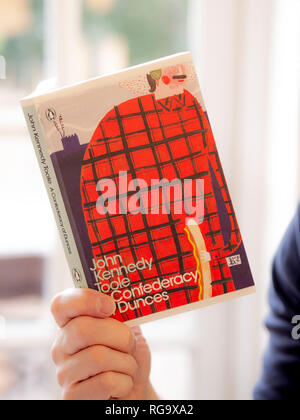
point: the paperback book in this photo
(138, 191)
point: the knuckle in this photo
(128, 338)
(132, 367)
(56, 305)
(99, 356)
(55, 353)
(61, 376)
(77, 329)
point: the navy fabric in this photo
(280, 379)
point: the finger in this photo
(84, 332)
(81, 302)
(101, 387)
(142, 357)
(93, 361)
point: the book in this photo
(138, 192)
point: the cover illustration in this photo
(143, 190)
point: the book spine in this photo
(55, 197)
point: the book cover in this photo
(138, 191)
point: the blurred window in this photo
(128, 32)
(21, 43)
(22, 48)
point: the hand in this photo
(205, 257)
(97, 357)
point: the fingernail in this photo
(107, 305)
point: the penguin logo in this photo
(51, 114)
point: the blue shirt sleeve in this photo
(280, 379)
